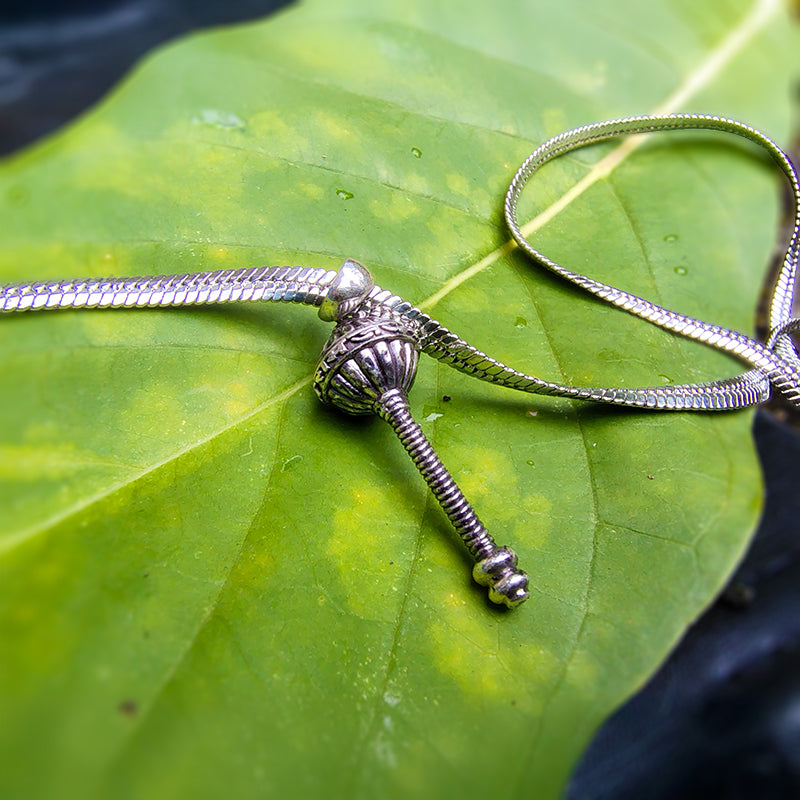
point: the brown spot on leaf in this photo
(128, 708)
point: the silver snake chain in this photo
(369, 362)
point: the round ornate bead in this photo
(363, 359)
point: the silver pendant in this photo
(367, 367)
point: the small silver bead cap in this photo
(350, 287)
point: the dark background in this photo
(721, 719)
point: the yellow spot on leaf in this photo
(467, 647)
(366, 552)
(487, 477)
(458, 184)
(397, 208)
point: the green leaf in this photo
(211, 585)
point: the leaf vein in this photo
(19, 538)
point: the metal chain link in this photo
(775, 362)
(293, 284)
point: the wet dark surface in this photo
(721, 719)
(58, 58)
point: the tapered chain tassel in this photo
(495, 567)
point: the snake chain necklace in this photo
(369, 362)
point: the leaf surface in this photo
(208, 583)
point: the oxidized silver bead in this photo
(363, 359)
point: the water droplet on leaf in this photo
(416, 152)
(344, 194)
(221, 119)
(681, 270)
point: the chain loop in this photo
(775, 363)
